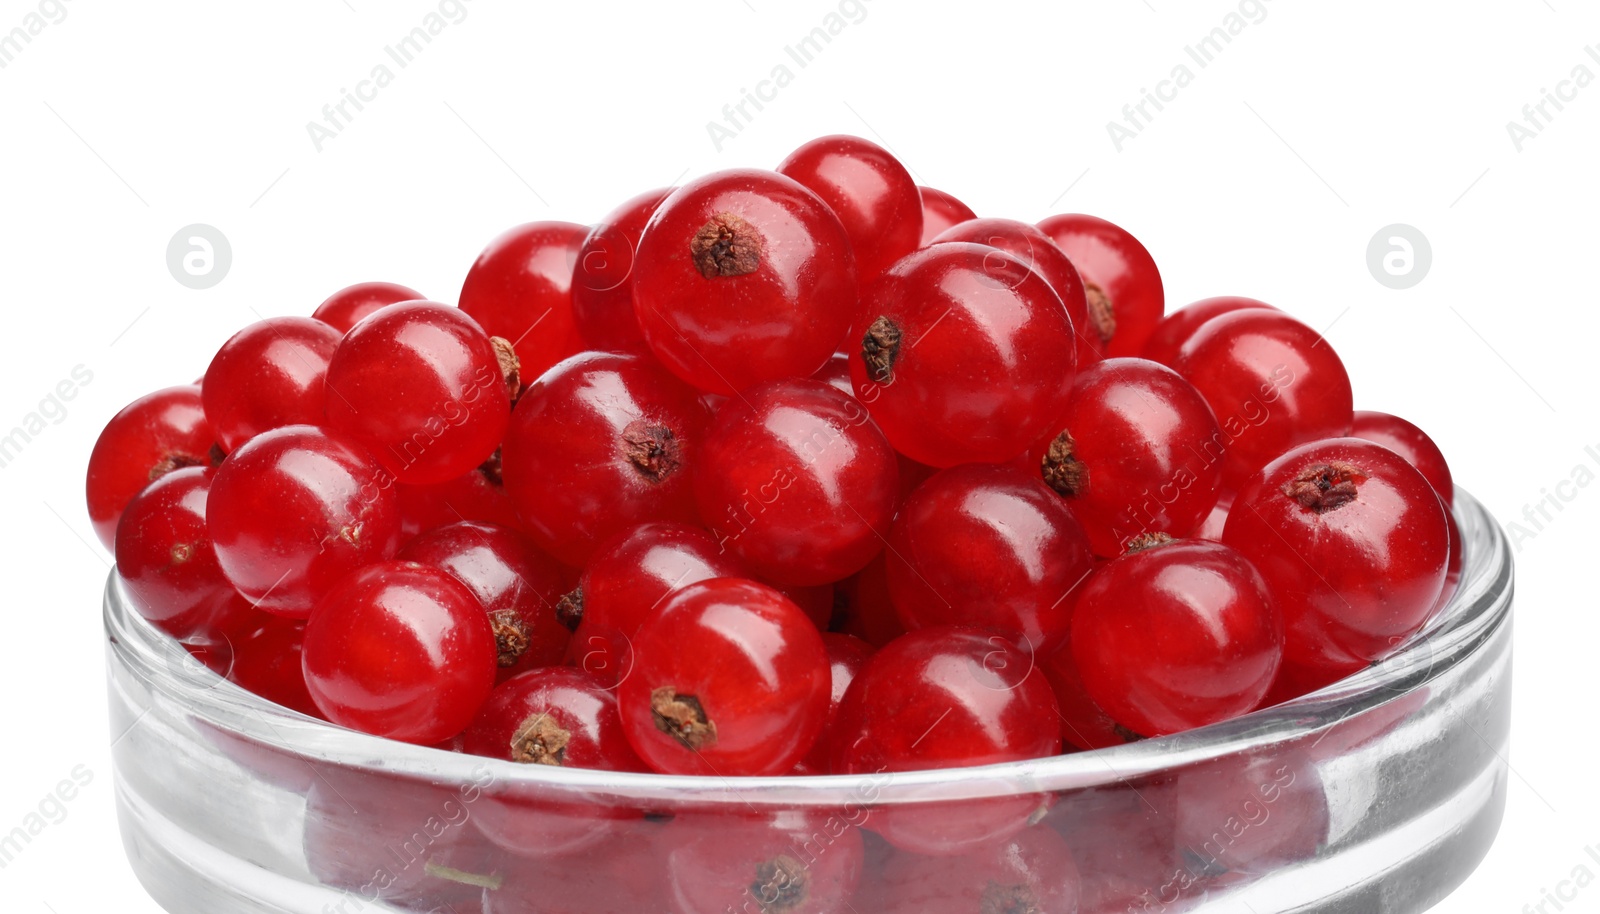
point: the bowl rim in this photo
(1476, 612)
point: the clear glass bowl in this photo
(1378, 794)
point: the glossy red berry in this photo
(628, 580)
(293, 511)
(165, 556)
(152, 436)
(1120, 274)
(517, 584)
(796, 480)
(602, 287)
(1138, 451)
(947, 697)
(1177, 635)
(267, 663)
(268, 375)
(794, 862)
(980, 690)
(729, 679)
(863, 607)
(1033, 870)
(475, 495)
(557, 716)
(742, 277)
(1409, 442)
(520, 289)
(421, 387)
(870, 191)
(1176, 328)
(964, 354)
(1353, 544)
(940, 211)
(346, 307)
(601, 443)
(988, 545)
(1035, 249)
(1272, 383)
(847, 655)
(1084, 724)
(400, 650)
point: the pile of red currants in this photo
(803, 471)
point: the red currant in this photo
(946, 697)
(1272, 382)
(1353, 544)
(405, 843)
(602, 651)
(863, 606)
(1137, 452)
(268, 375)
(165, 556)
(422, 388)
(293, 511)
(979, 689)
(1251, 815)
(870, 191)
(1031, 871)
(561, 717)
(630, 576)
(267, 662)
(601, 443)
(602, 290)
(518, 586)
(1121, 276)
(1084, 724)
(966, 355)
(742, 277)
(400, 650)
(1177, 635)
(847, 654)
(729, 679)
(788, 862)
(346, 307)
(1121, 839)
(1035, 249)
(151, 436)
(797, 481)
(1409, 442)
(476, 495)
(984, 544)
(940, 211)
(1175, 329)
(520, 289)
(555, 716)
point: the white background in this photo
(1266, 176)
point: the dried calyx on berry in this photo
(1063, 471)
(682, 718)
(1326, 487)
(879, 349)
(726, 246)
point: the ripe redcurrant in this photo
(797, 481)
(964, 354)
(729, 679)
(742, 277)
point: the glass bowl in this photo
(1378, 794)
